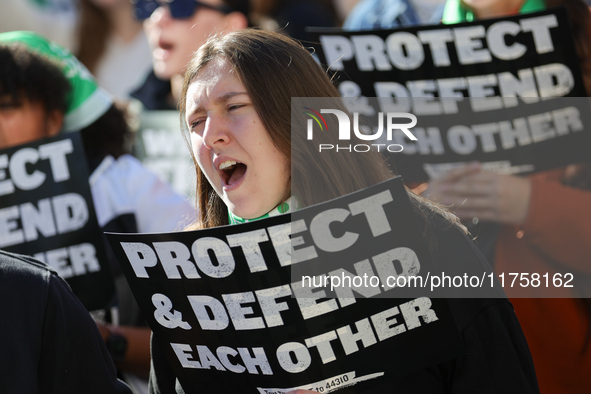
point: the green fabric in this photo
(41, 3)
(456, 12)
(289, 206)
(87, 101)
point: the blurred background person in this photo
(175, 29)
(543, 224)
(127, 197)
(54, 19)
(291, 17)
(388, 14)
(113, 46)
(344, 7)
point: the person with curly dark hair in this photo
(32, 97)
(49, 344)
(44, 90)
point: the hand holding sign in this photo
(474, 193)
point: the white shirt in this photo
(125, 186)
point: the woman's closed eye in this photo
(233, 107)
(194, 125)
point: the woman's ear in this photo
(236, 21)
(54, 123)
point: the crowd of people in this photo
(231, 67)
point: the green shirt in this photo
(456, 12)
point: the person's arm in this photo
(136, 355)
(559, 223)
(470, 193)
(73, 357)
(554, 218)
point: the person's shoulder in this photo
(442, 220)
(454, 254)
(131, 164)
(14, 265)
(32, 278)
(467, 311)
(125, 166)
(441, 227)
(26, 281)
(154, 93)
(445, 231)
(118, 173)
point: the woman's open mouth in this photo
(163, 50)
(232, 172)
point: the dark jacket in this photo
(48, 341)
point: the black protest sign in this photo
(160, 147)
(46, 211)
(510, 67)
(524, 55)
(235, 310)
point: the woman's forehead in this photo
(213, 69)
(215, 82)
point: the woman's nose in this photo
(215, 133)
(161, 15)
